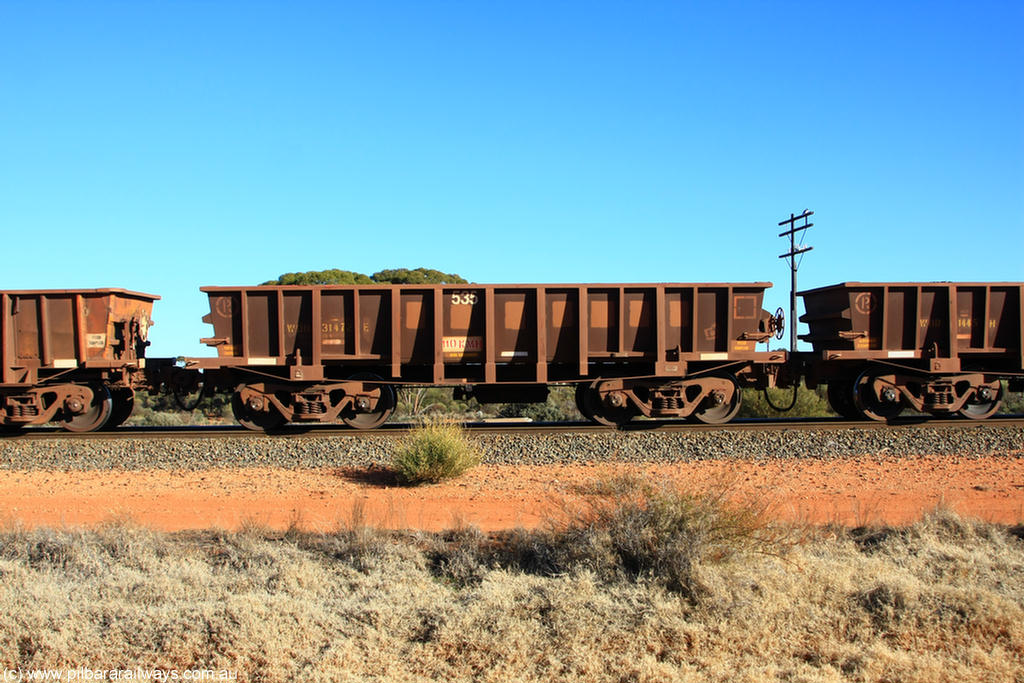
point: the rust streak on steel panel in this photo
(884, 312)
(583, 318)
(954, 321)
(918, 330)
(316, 329)
(396, 332)
(279, 299)
(987, 293)
(6, 335)
(730, 315)
(357, 328)
(660, 320)
(1020, 322)
(44, 332)
(438, 335)
(621, 321)
(79, 327)
(243, 302)
(540, 296)
(490, 372)
(695, 327)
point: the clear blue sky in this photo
(160, 146)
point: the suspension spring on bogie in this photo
(18, 406)
(937, 397)
(310, 407)
(667, 403)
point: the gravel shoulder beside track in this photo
(970, 440)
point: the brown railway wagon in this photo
(72, 355)
(320, 353)
(937, 347)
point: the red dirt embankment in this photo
(846, 491)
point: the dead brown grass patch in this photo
(644, 584)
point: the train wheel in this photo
(985, 402)
(581, 401)
(876, 397)
(600, 412)
(124, 402)
(715, 409)
(88, 414)
(256, 420)
(840, 397)
(386, 402)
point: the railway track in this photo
(509, 427)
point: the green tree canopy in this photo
(401, 276)
(419, 276)
(322, 277)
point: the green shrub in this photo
(809, 403)
(435, 451)
(162, 410)
(1013, 402)
(560, 407)
(417, 403)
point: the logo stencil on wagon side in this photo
(864, 302)
(224, 306)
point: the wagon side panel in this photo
(226, 318)
(49, 330)
(979, 322)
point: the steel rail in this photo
(395, 430)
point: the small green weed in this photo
(435, 451)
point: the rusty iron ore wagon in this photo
(330, 352)
(74, 356)
(340, 352)
(939, 347)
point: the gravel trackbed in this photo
(317, 482)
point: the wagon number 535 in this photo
(464, 298)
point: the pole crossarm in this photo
(796, 229)
(794, 253)
(792, 218)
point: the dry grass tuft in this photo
(435, 451)
(633, 529)
(602, 596)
